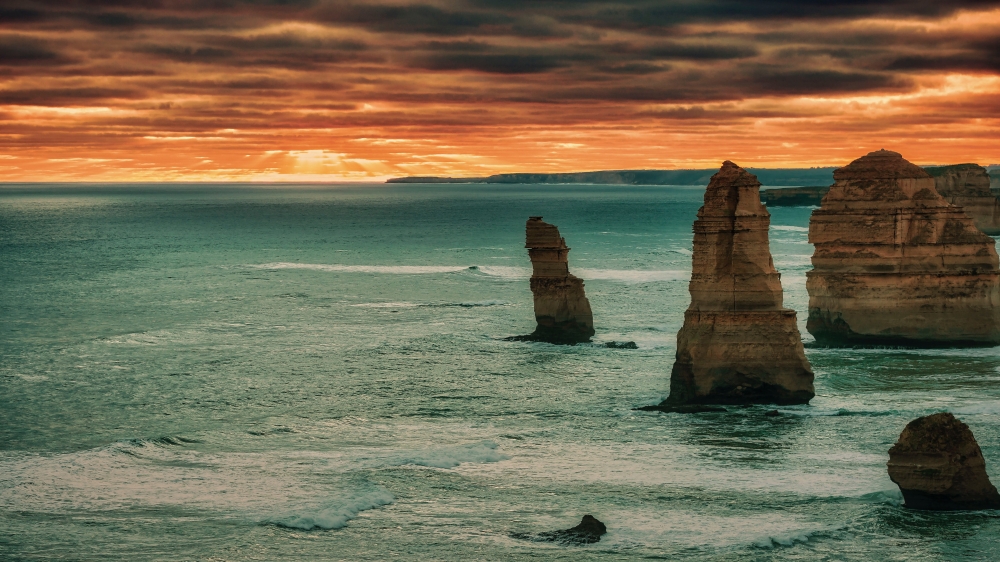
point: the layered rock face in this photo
(738, 344)
(561, 307)
(968, 185)
(937, 464)
(896, 264)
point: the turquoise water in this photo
(300, 372)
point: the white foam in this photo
(792, 537)
(384, 269)
(475, 304)
(334, 513)
(633, 275)
(450, 457)
(386, 305)
(789, 228)
(505, 271)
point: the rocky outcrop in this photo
(738, 345)
(937, 464)
(968, 185)
(896, 264)
(561, 307)
(793, 196)
(589, 531)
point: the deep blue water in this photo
(209, 372)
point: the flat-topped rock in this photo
(968, 186)
(562, 310)
(938, 465)
(738, 345)
(896, 264)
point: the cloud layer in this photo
(316, 89)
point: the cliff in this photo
(896, 264)
(773, 176)
(968, 185)
(434, 179)
(738, 344)
(937, 464)
(561, 307)
(794, 196)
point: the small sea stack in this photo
(938, 465)
(561, 306)
(896, 264)
(738, 345)
(968, 186)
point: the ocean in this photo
(319, 372)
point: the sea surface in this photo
(306, 372)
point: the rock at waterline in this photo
(621, 345)
(895, 263)
(589, 531)
(938, 465)
(739, 344)
(562, 310)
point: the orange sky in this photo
(320, 91)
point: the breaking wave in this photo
(450, 457)
(333, 514)
(387, 269)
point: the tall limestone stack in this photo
(561, 307)
(968, 185)
(738, 344)
(896, 264)
(937, 464)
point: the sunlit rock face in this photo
(968, 185)
(561, 307)
(937, 464)
(896, 264)
(738, 344)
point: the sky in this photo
(321, 90)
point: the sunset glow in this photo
(321, 91)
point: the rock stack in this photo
(896, 264)
(738, 344)
(968, 186)
(937, 464)
(561, 307)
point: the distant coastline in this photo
(767, 176)
(810, 178)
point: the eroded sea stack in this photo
(738, 344)
(896, 264)
(937, 464)
(561, 307)
(968, 185)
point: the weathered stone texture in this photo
(561, 307)
(937, 464)
(968, 186)
(738, 344)
(896, 264)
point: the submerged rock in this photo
(896, 264)
(589, 531)
(738, 345)
(968, 185)
(561, 307)
(938, 465)
(621, 345)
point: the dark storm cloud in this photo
(18, 50)
(65, 96)
(549, 52)
(499, 64)
(416, 18)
